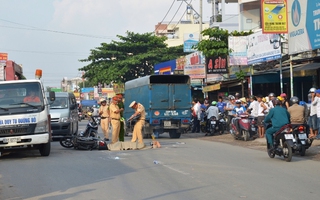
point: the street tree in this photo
(130, 57)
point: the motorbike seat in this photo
(282, 129)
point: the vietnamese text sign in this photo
(263, 47)
(195, 71)
(217, 65)
(238, 46)
(211, 88)
(274, 16)
(304, 25)
(3, 57)
(190, 40)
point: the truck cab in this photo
(24, 116)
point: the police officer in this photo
(105, 119)
(115, 119)
(139, 110)
(121, 106)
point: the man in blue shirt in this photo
(221, 104)
(279, 117)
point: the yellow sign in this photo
(211, 88)
(274, 16)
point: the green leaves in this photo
(132, 56)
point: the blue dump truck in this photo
(167, 101)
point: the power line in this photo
(165, 15)
(174, 15)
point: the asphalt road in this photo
(187, 168)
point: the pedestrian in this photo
(254, 107)
(221, 104)
(105, 118)
(230, 107)
(115, 119)
(285, 102)
(139, 110)
(121, 106)
(196, 115)
(316, 102)
(261, 115)
(312, 121)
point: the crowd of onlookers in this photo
(258, 106)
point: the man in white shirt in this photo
(316, 103)
(254, 106)
(196, 115)
(312, 121)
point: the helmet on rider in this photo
(237, 95)
(312, 90)
(213, 103)
(94, 106)
(238, 102)
(302, 103)
(276, 101)
(294, 100)
(231, 97)
(271, 95)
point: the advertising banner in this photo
(167, 67)
(195, 71)
(238, 46)
(304, 25)
(195, 58)
(274, 16)
(216, 77)
(181, 62)
(190, 40)
(217, 65)
(263, 47)
(3, 57)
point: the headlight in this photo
(65, 119)
(41, 127)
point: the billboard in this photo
(3, 57)
(217, 65)
(167, 67)
(304, 25)
(190, 40)
(274, 16)
(238, 46)
(195, 71)
(263, 47)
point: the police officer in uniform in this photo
(139, 109)
(115, 119)
(105, 120)
(121, 106)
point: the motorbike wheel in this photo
(287, 152)
(203, 128)
(66, 143)
(302, 151)
(93, 134)
(245, 135)
(271, 154)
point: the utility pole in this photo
(200, 21)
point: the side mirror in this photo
(52, 96)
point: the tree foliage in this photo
(133, 56)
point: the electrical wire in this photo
(165, 16)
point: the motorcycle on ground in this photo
(85, 138)
(301, 136)
(284, 143)
(247, 127)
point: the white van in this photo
(64, 115)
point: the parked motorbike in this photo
(300, 135)
(247, 129)
(214, 127)
(223, 121)
(91, 132)
(284, 143)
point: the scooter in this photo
(90, 133)
(215, 126)
(245, 131)
(223, 121)
(284, 143)
(301, 136)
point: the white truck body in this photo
(24, 124)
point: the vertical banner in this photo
(190, 40)
(238, 46)
(274, 16)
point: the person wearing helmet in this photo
(230, 109)
(278, 116)
(316, 102)
(270, 103)
(212, 111)
(313, 120)
(237, 95)
(237, 111)
(297, 112)
(105, 119)
(285, 101)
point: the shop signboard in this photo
(304, 25)
(263, 47)
(274, 16)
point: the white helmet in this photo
(312, 90)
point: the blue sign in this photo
(313, 23)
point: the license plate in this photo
(303, 136)
(12, 140)
(213, 122)
(245, 120)
(253, 129)
(288, 136)
(167, 123)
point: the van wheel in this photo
(44, 149)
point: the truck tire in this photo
(44, 149)
(174, 134)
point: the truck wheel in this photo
(44, 149)
(174, 134)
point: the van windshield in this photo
(21, 95)
(59, 103)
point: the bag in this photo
(85, 143)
